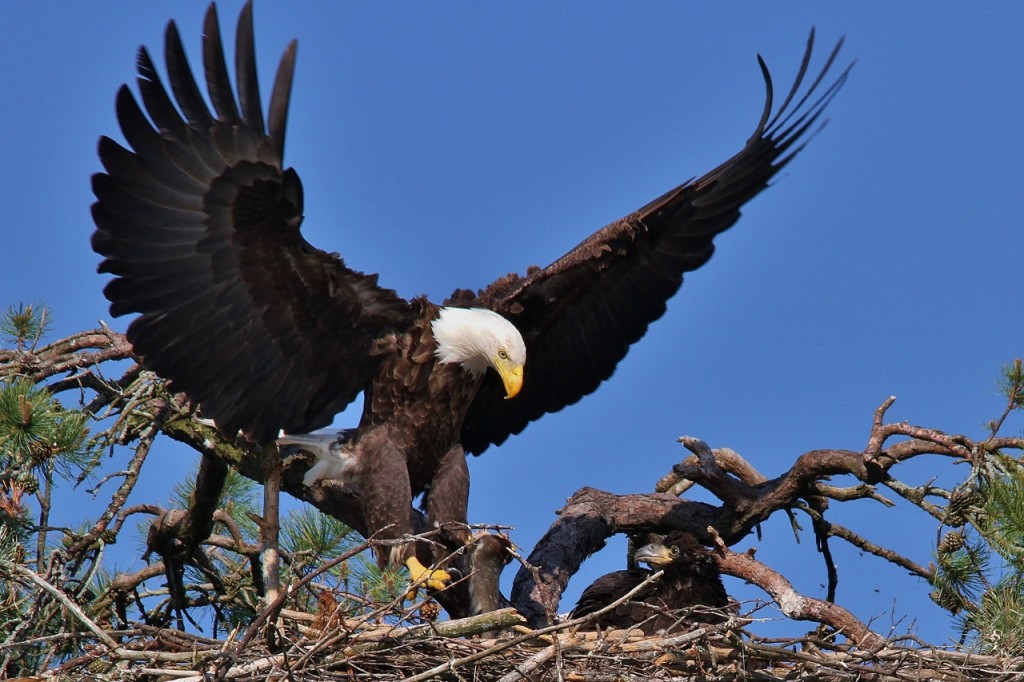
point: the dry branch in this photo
(139, 407)
(748, 498)
(793, 604)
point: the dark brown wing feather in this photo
(199, 223)
(609, 588)
(580, 314)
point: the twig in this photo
(526, 670)
(916, 496)
(71, 606)
(451, 665)
(119, 498)
(793, 604)
(271, 608)
(879, 551)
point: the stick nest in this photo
(324, 646)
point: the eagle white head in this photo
(477, 339)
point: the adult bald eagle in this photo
(690, 591)
(198, 220)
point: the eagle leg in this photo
(447, 498)
(445, 503)
(382, 479)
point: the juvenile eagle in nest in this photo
(690, 591)
(198, 219)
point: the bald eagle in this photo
(198, 219)
(690, 591)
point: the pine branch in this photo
(118, 499)
(748, 499)
(66, 602)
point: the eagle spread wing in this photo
(580, 314)
(199, 222)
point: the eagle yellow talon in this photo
(421, 575)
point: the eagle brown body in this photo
(689, 592)
(198, 219)
(411, 389)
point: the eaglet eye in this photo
(674, 551)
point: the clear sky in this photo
(446, 144)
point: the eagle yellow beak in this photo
(511, 377)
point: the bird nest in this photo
(392, 646)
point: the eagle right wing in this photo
(199, 224)
(580, 314)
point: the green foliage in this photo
(1002, 517)
(308, 538)
(999, 619)
(1012, 384)
(386, 585)
(979, 566)
(960, 578)
(40, 442)
(313, 539)
(46, 448)
(37, 432)
(11, 552)
(15, 600)
(239, 497)
(39, 438)
(24, 324)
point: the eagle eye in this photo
(502, 354)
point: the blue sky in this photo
(446, 144)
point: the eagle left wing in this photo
(580, 314)
(198, 220)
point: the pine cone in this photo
(951, 542)
(960, 502)
(430, 610)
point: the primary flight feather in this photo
(198, 219)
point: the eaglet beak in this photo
(654, 554)
(511, 377)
